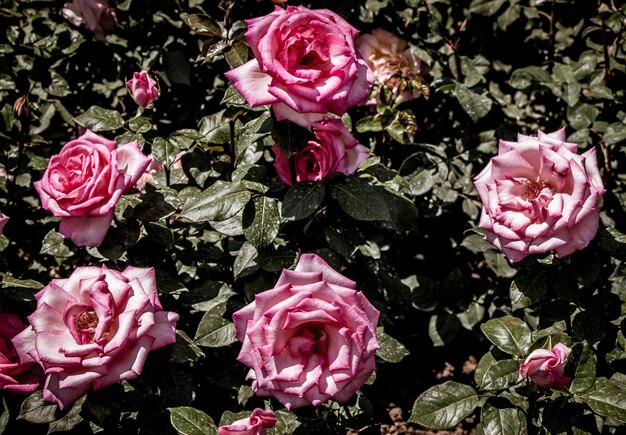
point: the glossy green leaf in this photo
(303, 199)
(500, 375)
(475, 105)
(219, 202)
(584, 362)
(35, 410)
(607, 398)
(360, 200)
(261, 221)
(99, 119)
(509, 334)
(191, 421)
(391, 350)
(444, 405)
(497, 418)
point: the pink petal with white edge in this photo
(147, 278)
(132, 162)
(314, 263)
(24, 345)
(354, 157)
(86, 231)
(164, 329)
(252, 83)
(282, 112)
(63, 397)
(127, 365)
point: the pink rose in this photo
(334, 151)
(545, 367)
(84, 182)
(253, 425)
(309, 339)
(15, 376)
(3, 221)
(539, 195)
(95, 328)
(305, 65)
(143, 89)
(96, 15)
(393, 64)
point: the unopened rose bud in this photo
(21, 110)
(143, 89)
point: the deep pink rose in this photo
(15, 376)
(253, 425)
(143, 89)
(545, 367)
(84, 182)
(393, 64)
(335, 150)
(95, 328)
(539, 195)
(96, 15)
(3, 221)
(305, 65)
(309, 339)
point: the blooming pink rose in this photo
(84, 182)
(393, 64)
(15, 376)
(96, 15)
(143, 89)
(95, 328)
(309, 339)
(3, 221)
(334, 151)
(305, 65)
(539, 195)
(253, 425)
(545, 367)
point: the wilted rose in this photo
(95, 328)
(143, 89)
(539, 195)
(394, 65)
(84, 182)
(309, 339)
(305, 65)
(15, 376)
(334, 150)
(545, 367)
(253, 425)
(96, 15)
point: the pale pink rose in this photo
(305, 65)
(539, 195)
(84, 182)
(3, 221)
(310, 339)
(143, 89)
(334, 150)
(15, 376)
(393, 64)
(95, 328)
(253, 425)
(545, 367)
(96, 15)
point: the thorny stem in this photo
(552, 35)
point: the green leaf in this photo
(237, 55)
(500, 375)
(613, 242)
(177, 67)
(54, 244)
(203, 25)
(286, 423)
(215, 331)
(69, 420)
(518, 300)
(508, 334)
(244, 261)
(99, 119)
(261, 221)
(140, 124)
(190, 421)
(232, 97)
(369, 123)
(4, 418)
(10, 282)
(390, 350)
(215, 128)
(422, 182)
(444, 405)
(607, 398)
(302, 199)
(164, 151)
(498, 263)
(615, 133)
(534, 284)
(475, 105)
(220, 201)
(524, 77)
(584, 361)
(485, 362)
(35, 410)
(560, 414)
(587, 325)
(486, 7)
(497, 418)
(290, 137)
(442, 328)
(360, 200)
(581, 115)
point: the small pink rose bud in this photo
(143, 89)
(21, 110)
(545, 367)
(3, 220)
(253, 425)
(96, 15)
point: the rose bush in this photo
(538, 195)
(393, 63)
(305, 65)
(335, 150)
(253, 425)
(96, 15)
(94, 328)
(311, 338)
(143, 89)
(15, 376)
(84, 182)
(545, 367)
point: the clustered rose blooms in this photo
(253, 425)
(3, 221)
(309, 339)
(84, 182)
(95, 328)
(96, 15)
(143, 89)
(545, 367)
(305, 65)
(393, 63)
(335, 150)
(15, 376)
(539, 195)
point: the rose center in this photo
(309, 340)
(86, 324)
(532, 189)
